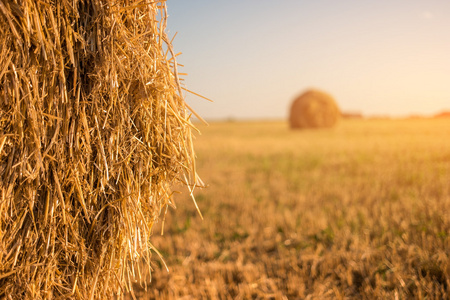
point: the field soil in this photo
(360, 211)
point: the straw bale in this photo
(351, 115)
(314, 109)
(94, 132)
(443, 114)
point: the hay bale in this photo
(443, 114)
(314, 109)
(351, 115)
(93, 133)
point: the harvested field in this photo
(355, 212)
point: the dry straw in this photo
(314, 109)
(93, 133)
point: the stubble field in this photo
(361, 211)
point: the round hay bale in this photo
(314, 109)
(94, 132)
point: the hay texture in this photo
(314, 109)
(93, 133)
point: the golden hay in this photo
(93, 133)
(314, 109)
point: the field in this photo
(356, 212)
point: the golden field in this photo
(361, 211)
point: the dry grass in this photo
(356, 212)
(93, 132)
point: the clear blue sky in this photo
(252, 57)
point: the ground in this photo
(359, 211)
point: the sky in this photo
(253, 57)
